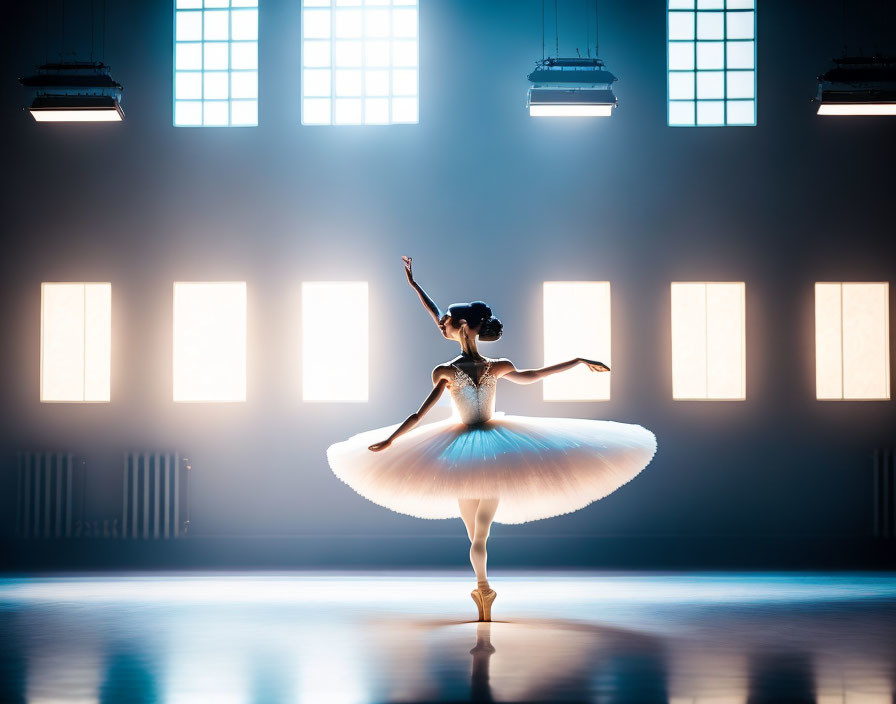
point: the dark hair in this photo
(478, 315)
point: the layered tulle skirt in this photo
(536, 467)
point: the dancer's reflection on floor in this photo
(480, 689)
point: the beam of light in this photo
(334, 341)
(209, 341)
(708, 340)
(857, 109)
(76, 342)
(577, 324)
(570, 110)
(96, 115)
(852, 351)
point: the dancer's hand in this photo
(407, 269)
(594, 366)
(378, 446)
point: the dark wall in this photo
(490, 203)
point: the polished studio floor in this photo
(409, 637)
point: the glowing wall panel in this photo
(708, 340)
(334, 341)
(359, 62)
(75, 342)
(852, 341)
(210, 341)
(577, 324)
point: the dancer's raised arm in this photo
(427, 302)
(439, 383)
(530, 376)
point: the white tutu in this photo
(536, 467)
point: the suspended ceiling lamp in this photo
(74, 92)
(571, 88)
(858, 86)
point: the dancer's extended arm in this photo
(530, 376)
(427, 302)
(439, 383)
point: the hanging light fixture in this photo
(858, 86)
(74, 92)
(570, 87)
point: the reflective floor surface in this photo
(390, 637)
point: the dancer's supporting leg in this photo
(478, 556)
(468, 514)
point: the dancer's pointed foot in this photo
(484, 599)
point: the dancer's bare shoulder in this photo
(501, 366)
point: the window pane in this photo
(710, 84)
(187, 113)
(740, 25)
(681, 25)
(188, 57)
(210, 340)
(710, 112)
(577, 324)
(741, 112)
(681, 56)
(216, 25)
(740, 84)
(217, 56)
(244, 55)
(334, 357)
(710, 25)
(76, 342)
(244, 24)
(741, 54)
(681, 85)
(710, 55)
(681, 112)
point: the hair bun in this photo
(491, 329)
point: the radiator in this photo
(45, 494)
(884, 494)
(152, 503)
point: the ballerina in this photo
(485, 466)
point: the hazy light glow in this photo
(570, 110)
(76, 342)
(209, 341)
(577, 324)
(95, 115)
(857, 109)
(334, 341)
(852, 333)
(360, 62)
(708, 340)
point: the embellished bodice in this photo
(475, 403)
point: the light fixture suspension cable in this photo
(588, 37)
(92, 27)
(596, 32)
(556, 32)
(542, 30)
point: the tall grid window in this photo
(712, 62)
(359, 62)
(215, 63)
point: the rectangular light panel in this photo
(334, 341)
(577, 324)
(75, 342)
(711, 55)
(570, 110)
(209, 341)
(708, 340)
(359, 62)
(852, 341)
(215, 63)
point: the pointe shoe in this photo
(484, 602)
